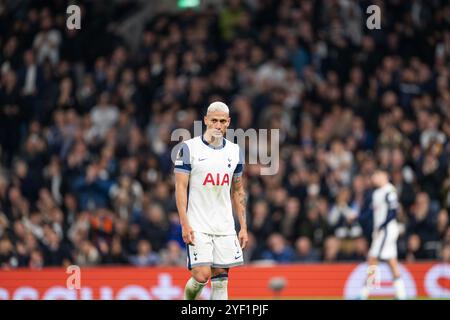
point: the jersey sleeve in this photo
(240, 166)
(392, 200)
(392, 205)
(183, 160)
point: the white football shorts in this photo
(217, 251)
(384, 245)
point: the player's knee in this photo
(201, 277)
(202, 274)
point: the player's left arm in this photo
(239, 199)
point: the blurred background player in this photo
(384, 205)
(210, 165)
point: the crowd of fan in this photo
(86, 175)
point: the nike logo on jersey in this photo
(202, 159)
(236, 257)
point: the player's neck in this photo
(214, 141)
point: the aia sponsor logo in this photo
(217, 179)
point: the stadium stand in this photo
(86, 175)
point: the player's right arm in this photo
(182, 173)
(181, 185)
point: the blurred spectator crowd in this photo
(86, 175)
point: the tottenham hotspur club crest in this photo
(229, 164)
(195, 255)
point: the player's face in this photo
(378, 178)
(374, 179)
(217, 123)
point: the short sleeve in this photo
(183, 160)
(240, 166)
(392, 200)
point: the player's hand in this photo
(243, 238)
(188, 235)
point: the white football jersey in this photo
(383, 200)
(211, 171)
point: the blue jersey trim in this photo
(211, 146)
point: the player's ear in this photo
(205, 120)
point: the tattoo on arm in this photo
(244, 216)
(240, 196)
(237, 182)
(243, 203)
(243, 199)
